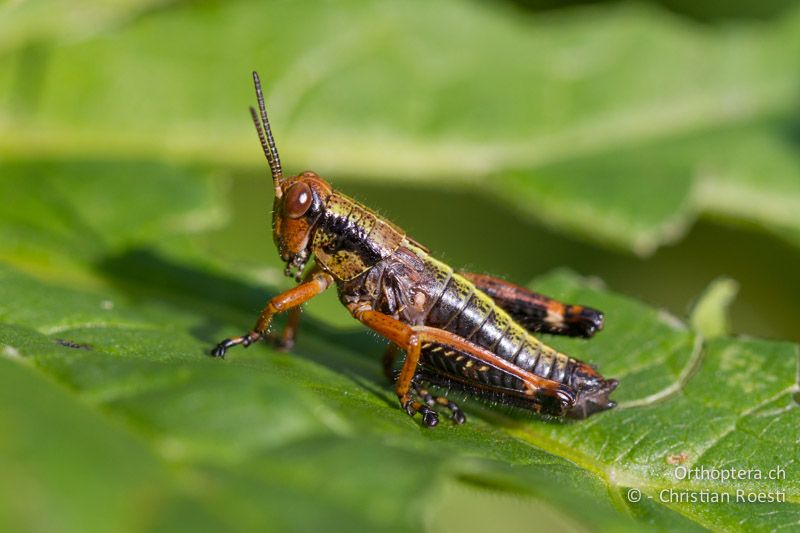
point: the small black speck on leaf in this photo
(71, 344)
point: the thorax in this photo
(350, 239)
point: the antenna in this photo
(265, 133)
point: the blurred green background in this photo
(654, 146)
(649, 147)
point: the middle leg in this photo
(431, 400)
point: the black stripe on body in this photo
(350, 232)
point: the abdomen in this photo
(462, 309)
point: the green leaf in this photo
(117, 418)
(621, 124)
(710, 314)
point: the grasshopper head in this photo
(299, 201)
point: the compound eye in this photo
(298, 200)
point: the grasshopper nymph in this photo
(467, 331)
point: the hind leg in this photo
(556, 397)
